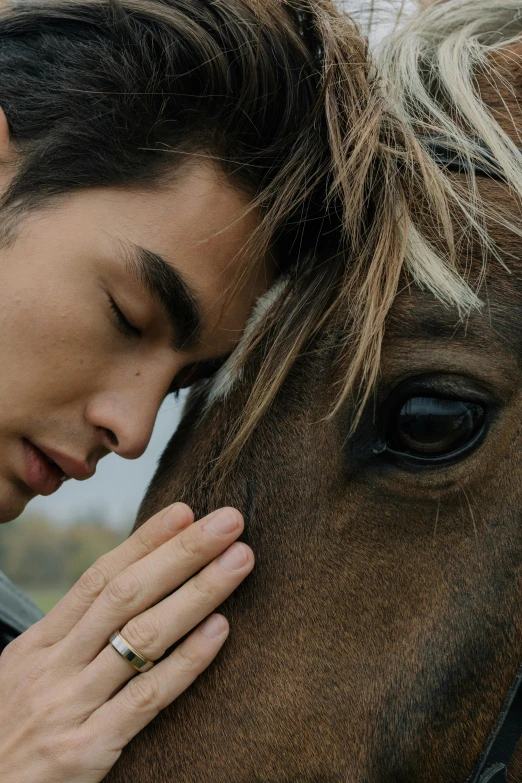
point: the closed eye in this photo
(122, 323)
(196, 372)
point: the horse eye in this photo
(434, 427)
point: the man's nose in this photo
(126, 424)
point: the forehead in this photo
(196, 220)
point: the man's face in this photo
(76, 381)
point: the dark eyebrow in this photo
(170, 290)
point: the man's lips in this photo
(47, 469)
(39, 474)
(73, 468)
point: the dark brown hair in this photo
(283, 96)
(122, 92)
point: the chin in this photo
(13, 500)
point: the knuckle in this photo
(33, 639)
(203, 590)
(188, 659)
(123, 591)
(143, 541)
(142, 634)
(14, 650)
(188, 546)
(30, 641)
(144, 692)
(94, 580)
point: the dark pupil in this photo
(431, 426)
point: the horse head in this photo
(380, 631)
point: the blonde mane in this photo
(380, 112)
(428, 72)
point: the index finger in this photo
(156, 531)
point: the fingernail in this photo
(175, 518)
(213, 626)
(234, 558)
(225, 521)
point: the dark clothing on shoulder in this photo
(17, 611)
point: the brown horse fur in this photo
(380, 631)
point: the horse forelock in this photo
(428, 75)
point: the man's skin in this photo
(72, 381)
(96, 329)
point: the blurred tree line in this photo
(35, 553)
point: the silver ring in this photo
(132, 656)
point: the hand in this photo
(70, 702)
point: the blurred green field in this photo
(46, 560)
(45, 597)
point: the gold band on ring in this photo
(132, 656)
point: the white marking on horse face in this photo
(232, 372)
